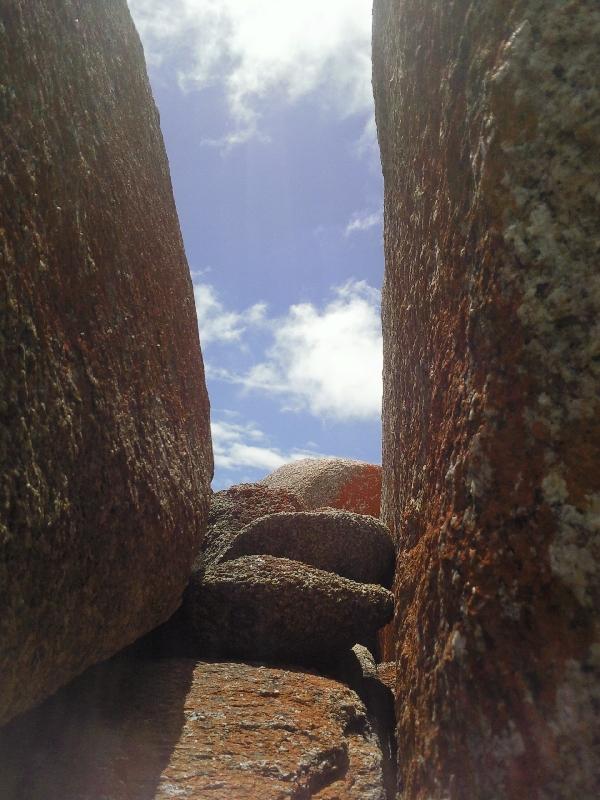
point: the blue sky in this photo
(267, 115)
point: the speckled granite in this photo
(234, 508)
(488, 117)
(331, 482)
(105, 456)
(272, 609)
(178, 728)
(355, 546)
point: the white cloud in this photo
(325, 361)
(363, 222)
(216, 324)
(239, 446)
(254, 48)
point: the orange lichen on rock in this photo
(488, 117)
(331, 483)
(105, 451)
(132, 730)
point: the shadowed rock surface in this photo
(234, 508)
(273, 609)
(143, 730)
(105, 449)
(358, 670)
(488, 116)
(331, 482)
(355, 546)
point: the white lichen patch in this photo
(551, 69)
(575, 551)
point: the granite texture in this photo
(105, 455)
(178, 728)
(272, 609)
(355, 546)
(332, 483)
(234, 508)
(488, 117)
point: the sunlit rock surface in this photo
(234, 508)
(331, 482)
(180, 728)
(105, 452)
(488, 117)
(356, 546)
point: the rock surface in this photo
(331, 482)
(355, 546)
(105, 450)
(181, 728)
(273, 609)
(358, 670)
(234, 508)
(488, 117)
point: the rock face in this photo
(234, 508)
(265, 608)
(488, 118)
(105, 452)
(331, 482)
(180, 728)
(355, 546)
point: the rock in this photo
(181, 728)
(105, 448)
(332, 483)
(233, 508)
(488, 116)
(352, 545)
(358, 670)
(272, 609)
(386, 673)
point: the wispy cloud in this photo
(363, 221)
(243, 446)
(216, 323)
(326, 361)
(256, 49)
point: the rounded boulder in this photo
(331, 483)
(355, 546)
(264, 608)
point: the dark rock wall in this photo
(105, 455)
(488, 117)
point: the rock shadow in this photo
(106, 736)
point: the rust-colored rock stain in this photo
(105, 454)
(491, 392)
(135, 730)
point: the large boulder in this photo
(181, 728)
(105, 448)
(332, 483)
(355, 546)
(265, 608)
(488, 116)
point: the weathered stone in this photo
(386, 673)
(488, 118)
(272, 609)
(355, 546)
(104, 434)
(234, 508)
(180, 728)
(358, 670)
(331, 483)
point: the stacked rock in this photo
(292, 586)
